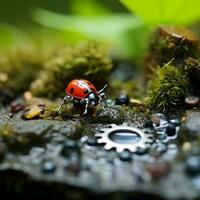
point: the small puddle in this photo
(125, 137)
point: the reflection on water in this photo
(125, 137)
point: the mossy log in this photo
(171, 43)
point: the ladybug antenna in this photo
(100, 91)
(63, 101)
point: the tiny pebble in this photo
(92, 141)
(192, 101)
(159, 170)
(148, 124)
(141, 151)
(122, 100)
(157, 118)
(125, 156)
(48, 167)
(192, 166)
(176, 122)
(171, 129)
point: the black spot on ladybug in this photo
(86, 92)
(71, 90)
(93, 89)
(88, 83)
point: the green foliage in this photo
(168, 88)
(126, 34)
(158, 12)
(10, 36)
(88, 8)
(19, 67)
(87, 60)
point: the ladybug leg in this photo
(101, 102)
(86, 105)
(101, 91)
(63, 101)
(102, 99)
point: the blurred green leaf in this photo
(106, 26)
(88, 8)
(10, 36)
(122, 31)
(165, 11)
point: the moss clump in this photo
(168, 88)
(68, 111)
(19, 67)
(50, 112)
(86, 60)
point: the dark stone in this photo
(141, 151)
(148, 124)
(125, 156)
(92, 141)
(192, 166)
(171, 129)
(122, 100)
(175, 121)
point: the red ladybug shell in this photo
(80, 88)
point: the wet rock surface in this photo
(54, 158)
(191, 127)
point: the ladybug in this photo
(82, 91)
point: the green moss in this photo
(13, 140)
(86, 60)
(19, 67)
(168, 88)
(68, 111)
(20, 142)
(50, 112)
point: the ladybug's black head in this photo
(93, 99)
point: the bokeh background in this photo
(123, 25)
(26, 21)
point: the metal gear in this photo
(105, 137)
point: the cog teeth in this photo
(103, 130)
(113, 125)
(119, 149)
(142, 145)
(103, 137)
(101, 140)
(107, 147)
(98, 134)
